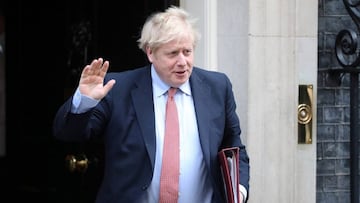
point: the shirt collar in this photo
(160, 87)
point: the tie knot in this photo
(172, 91)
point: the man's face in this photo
(173, 61)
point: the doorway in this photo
(47, 45)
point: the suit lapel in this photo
(201, 94)
(142, 98)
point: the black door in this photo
(47, 45)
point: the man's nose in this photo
(181, 59)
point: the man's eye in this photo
(174, 53)
(187, 52)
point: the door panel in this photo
(47, 44)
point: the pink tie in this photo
(169, 180)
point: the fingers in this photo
(97, 67)
(104, 68)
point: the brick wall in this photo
(333, 130)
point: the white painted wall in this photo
(267, 48)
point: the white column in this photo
(283, 47)
(306, 66)
(272, 100)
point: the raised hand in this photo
(92, 79)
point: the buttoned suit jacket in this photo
(125, 119)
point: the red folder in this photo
(229, 166)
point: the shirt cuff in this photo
(82, 103)
(243, 191)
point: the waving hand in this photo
(92, 80)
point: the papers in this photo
(229, 166)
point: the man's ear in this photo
(149, 54)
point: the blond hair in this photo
(162, 27)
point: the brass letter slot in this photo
(305, 114)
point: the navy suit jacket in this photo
(125, 118)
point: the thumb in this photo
(109, 85)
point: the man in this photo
(129, 110)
